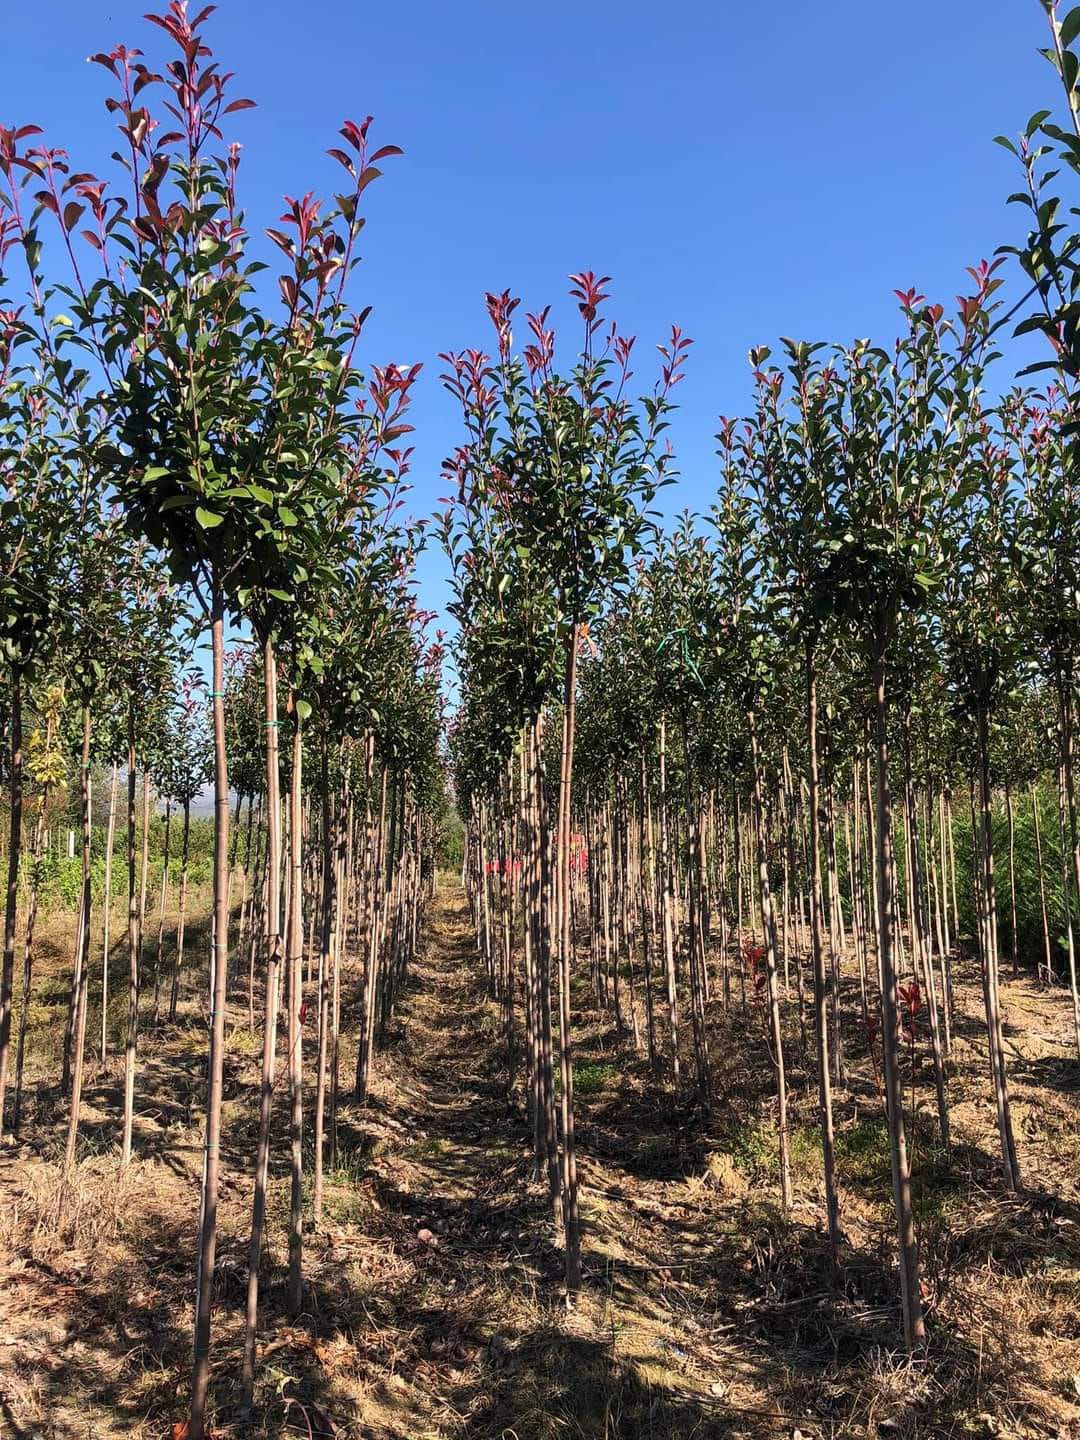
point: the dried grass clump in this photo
(48, 1209)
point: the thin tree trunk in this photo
(216, 1063)
(1047, 965)
(83, 966)
(990, 964)
(28, 954)
(295, 958)
(666, 923)
(15, 796)
(134, 940)
(160, 955)
(325, 961)
(768, 930)
(821, 1012)
(910, 1298)
(110, 838)
(1066, 903)
(272, 920)
(1011, 818)
(571, 1222)
(181, 914)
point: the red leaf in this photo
(343, 158)
(355, 134)
(238, 105)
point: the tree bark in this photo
(15, 797)
(571, 1221)
(216, 1065)
(910, 1298)
(110, 838)
(295, 960)
(821, 1014)
(272, 921)
(83, 966)
(134, 940)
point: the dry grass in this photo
(434, 1307)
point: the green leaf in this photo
(1070, 26)
(207, 518)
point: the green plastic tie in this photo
(687, 658)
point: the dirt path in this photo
(470, 1289)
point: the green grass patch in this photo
(862, 1153)
(591, 1078)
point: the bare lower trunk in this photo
(910, 1298)
(181, 914)
(216, 1063)
(821, 1017)
(571, 1223)
(83, 966)
(325, 962)
(134, 945)
(666, 922)
(295, 959)
(163, 902)
(28, 957)
(990, 963)
(15, 795)
(768, 930)
(109, 841)
(270, 1014)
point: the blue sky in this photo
(743, 170)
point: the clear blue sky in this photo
(743, 170)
